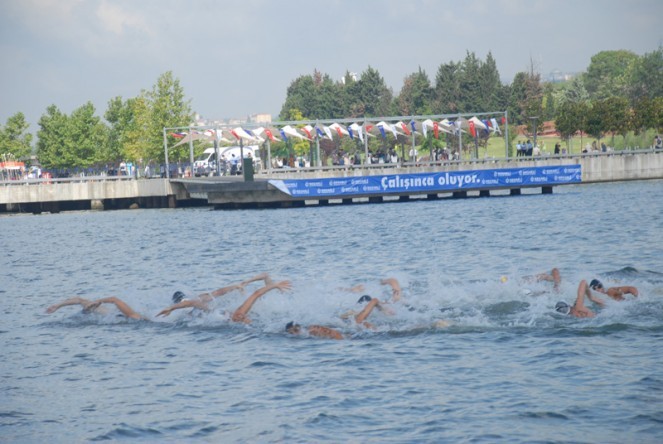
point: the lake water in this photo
(507, 369)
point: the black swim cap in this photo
(595, 284)
(178, 296)
(364, 298)
(563, 307)
(291, 326)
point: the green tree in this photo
(572, 92)
(617, 116)
(416, 95)
(300, 96)
(168, 109)
(52, 139)
(490, 85)
(606, 75)
(648, 113)
(570, 118)
(595, 123)
(447, 88)
(548, 102)
(14, 137)
(372, 92)
(471, 99)
(646, 76)
(86, 137)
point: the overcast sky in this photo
(238, 57)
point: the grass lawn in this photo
(547, 143)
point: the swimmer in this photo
(554, 277)
(579, 310)
(616, 293)
(360, 318)
(95, 306)
(240, 314)
(202, 301)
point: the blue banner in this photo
(446, 181)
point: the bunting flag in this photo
(319, 131)
(405, 129)
(413, 124)
(307, 129)
(358, 130)
(381, 128)
(494, 125)
(178, 135)
(327, 132)
(350, 132)
(269, 134)
(234, 134)
(436, 130)
(283, 134)
(472, 129)
(339, 129)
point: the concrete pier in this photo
(86, 193)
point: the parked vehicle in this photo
(205, 164)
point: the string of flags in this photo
(473, 126)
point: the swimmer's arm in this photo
(361, 317)
(395, 288)
(71, 301)
(225, 290)
(120, 304)
(190, 303)
(259, 277)
(324, 332)
(629, 290)
(356, 289)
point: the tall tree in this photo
(571, 118)
(416, 95)
(169, 109)
(489, 84)
(648, 113)
(52, 139)
(373, 93)
(646, 76)
(447, 93)
(470, 85)
(606, 74)
(86, 137)
(14, 137)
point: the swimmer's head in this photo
(596, 285)
(503, 279)
(293, 328)
(178, 296)
(364, 298)
(563, 307)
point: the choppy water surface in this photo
(508, 369)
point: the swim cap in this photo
(503, 279)
(364, 298)
(595, 284)
(291, 327)
(563, 307)
(178, 296)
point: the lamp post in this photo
(534, 119)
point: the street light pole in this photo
(534, 119)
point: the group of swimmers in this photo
(203, 301)
(579, 309)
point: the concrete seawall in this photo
(112, 192)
